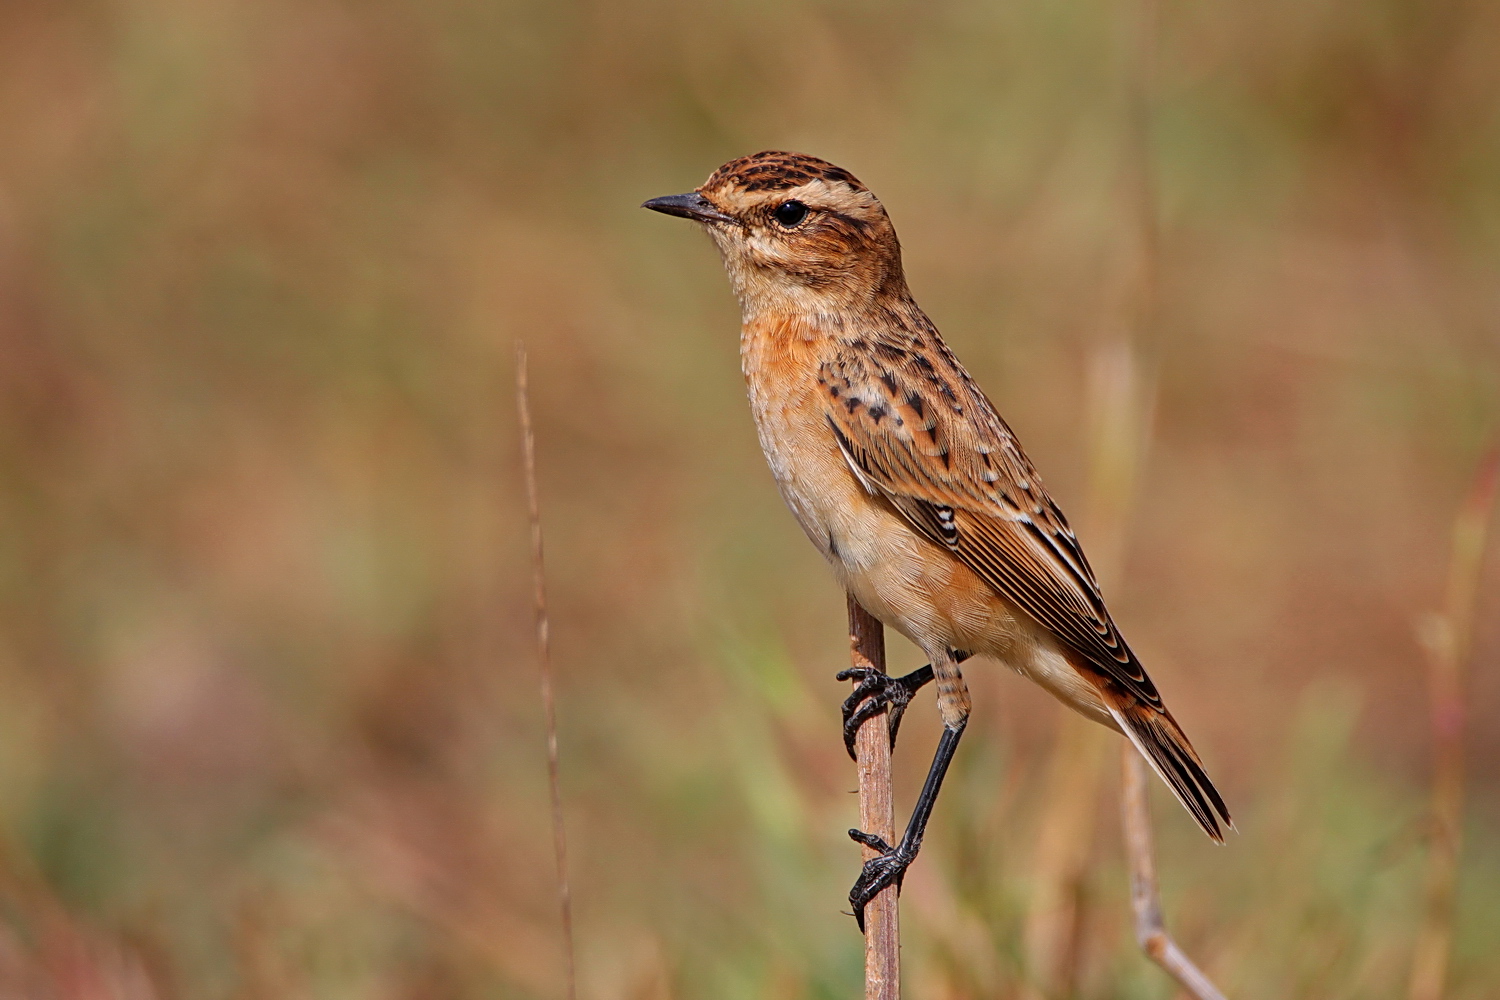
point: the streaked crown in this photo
(774, 170)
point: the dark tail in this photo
(1166, 748)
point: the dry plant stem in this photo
(1123, 406)
(876, 814)
(1145, 897)
(1121, 401)
(1447, 639)
(544, 662)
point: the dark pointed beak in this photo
(689, 206)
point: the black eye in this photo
(789, 213)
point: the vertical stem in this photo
(544, 663)
(1135, 814)
(1122, 401)
(1448, 638)
(1140, 849)
(1145, 896)
(876, 815)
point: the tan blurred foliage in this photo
(268, 712)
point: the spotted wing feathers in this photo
(915, 428)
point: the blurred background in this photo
(269, 721)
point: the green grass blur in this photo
(269, 723)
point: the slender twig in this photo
(1119, 447)
(1122, 404)
(544, 662)
(876, 814)
(1121, 401)
(1145, 898)
(1448, 639)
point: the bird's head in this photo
(795, 232)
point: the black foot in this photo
(878, 873)
(878, 691)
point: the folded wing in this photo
(932, 444)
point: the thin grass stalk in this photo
(1145, 893)
(872, 749)
(544, 664)
(1447, 639)
(1121, 409)
(1123, 416)
(1140, 849)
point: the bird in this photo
(904, 476)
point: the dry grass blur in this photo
(269, 723)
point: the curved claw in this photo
(871, 841)
(871, 682)
(877, 692)
(878, 873)
(857, 718)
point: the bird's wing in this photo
(917, 430)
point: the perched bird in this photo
(905, 477)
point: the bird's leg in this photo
(891, 865)
(879, 691)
